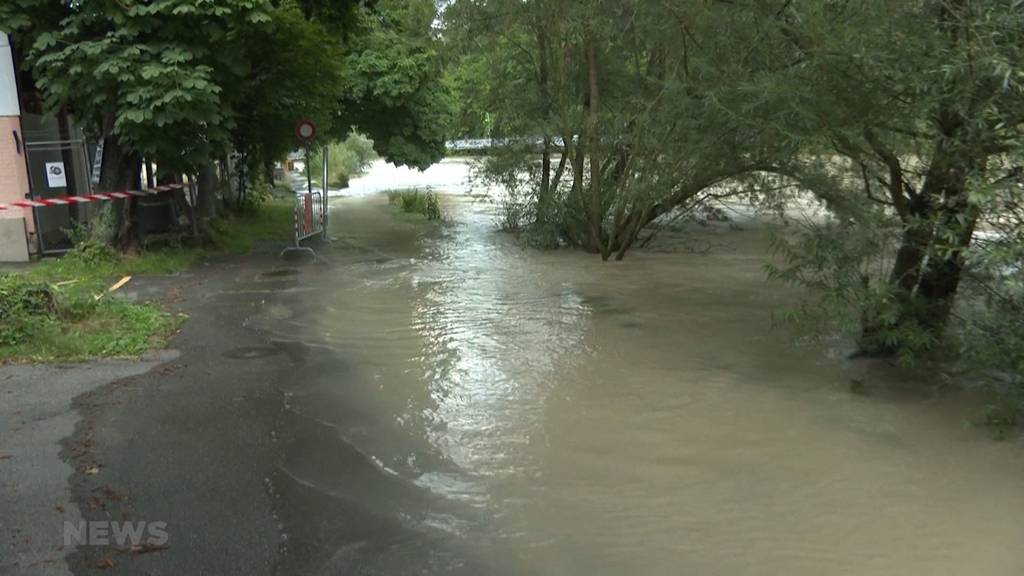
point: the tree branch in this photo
(896, 184)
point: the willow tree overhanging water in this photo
(925, 101)
(635, 104)
(900, 116)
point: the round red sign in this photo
(305, 130)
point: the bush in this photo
(420, 202)
(51, 312)
(100, 228)
(433, 207)
(257, 191)
(23, 303)
(515, 212)
(29, 307)
(991, 320)
(92, 253)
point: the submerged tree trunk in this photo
(544, 195)
(544, 79)
(594, 211)
(939, 222)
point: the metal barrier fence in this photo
(310, 219)
(309, 215)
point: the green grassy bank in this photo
(60, 308)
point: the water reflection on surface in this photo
(569, 416)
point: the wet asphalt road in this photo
(201, 439)
(36, 415)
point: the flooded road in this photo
(483, 408)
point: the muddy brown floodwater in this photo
(554, 414)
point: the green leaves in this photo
(158, 69)
(45, 40)
(175, 55)
(184, 81)
(393, 85)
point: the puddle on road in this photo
(560, 415)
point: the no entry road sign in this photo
(305, 130)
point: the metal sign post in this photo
(326, 196)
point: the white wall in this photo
(8, 87)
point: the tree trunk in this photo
(594, 209)
(241, 172)
(930, 261)
(579, 228)
(120, 170)
(939, 221)
(208, 190)
(544, 196)
(631, 231)
(268, 172)
(224, 179)
(544, 79)
(150, 173)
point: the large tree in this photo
(394, 89)
(924, 102)
(150, 77)
(899, 116)
(627, 106)
(293, 72)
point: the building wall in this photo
(8, 85)
(13, 173)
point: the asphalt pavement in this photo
(197, 442)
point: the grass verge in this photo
(51, 311)
(238, 233)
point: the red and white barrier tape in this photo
(98, 197)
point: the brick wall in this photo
(14, 183)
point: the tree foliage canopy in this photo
(904, 119)
(187, 81)
(394, 89)
(142, 72)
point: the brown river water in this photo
(547, 413)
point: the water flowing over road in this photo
(546, 413)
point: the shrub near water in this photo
(420, 202)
